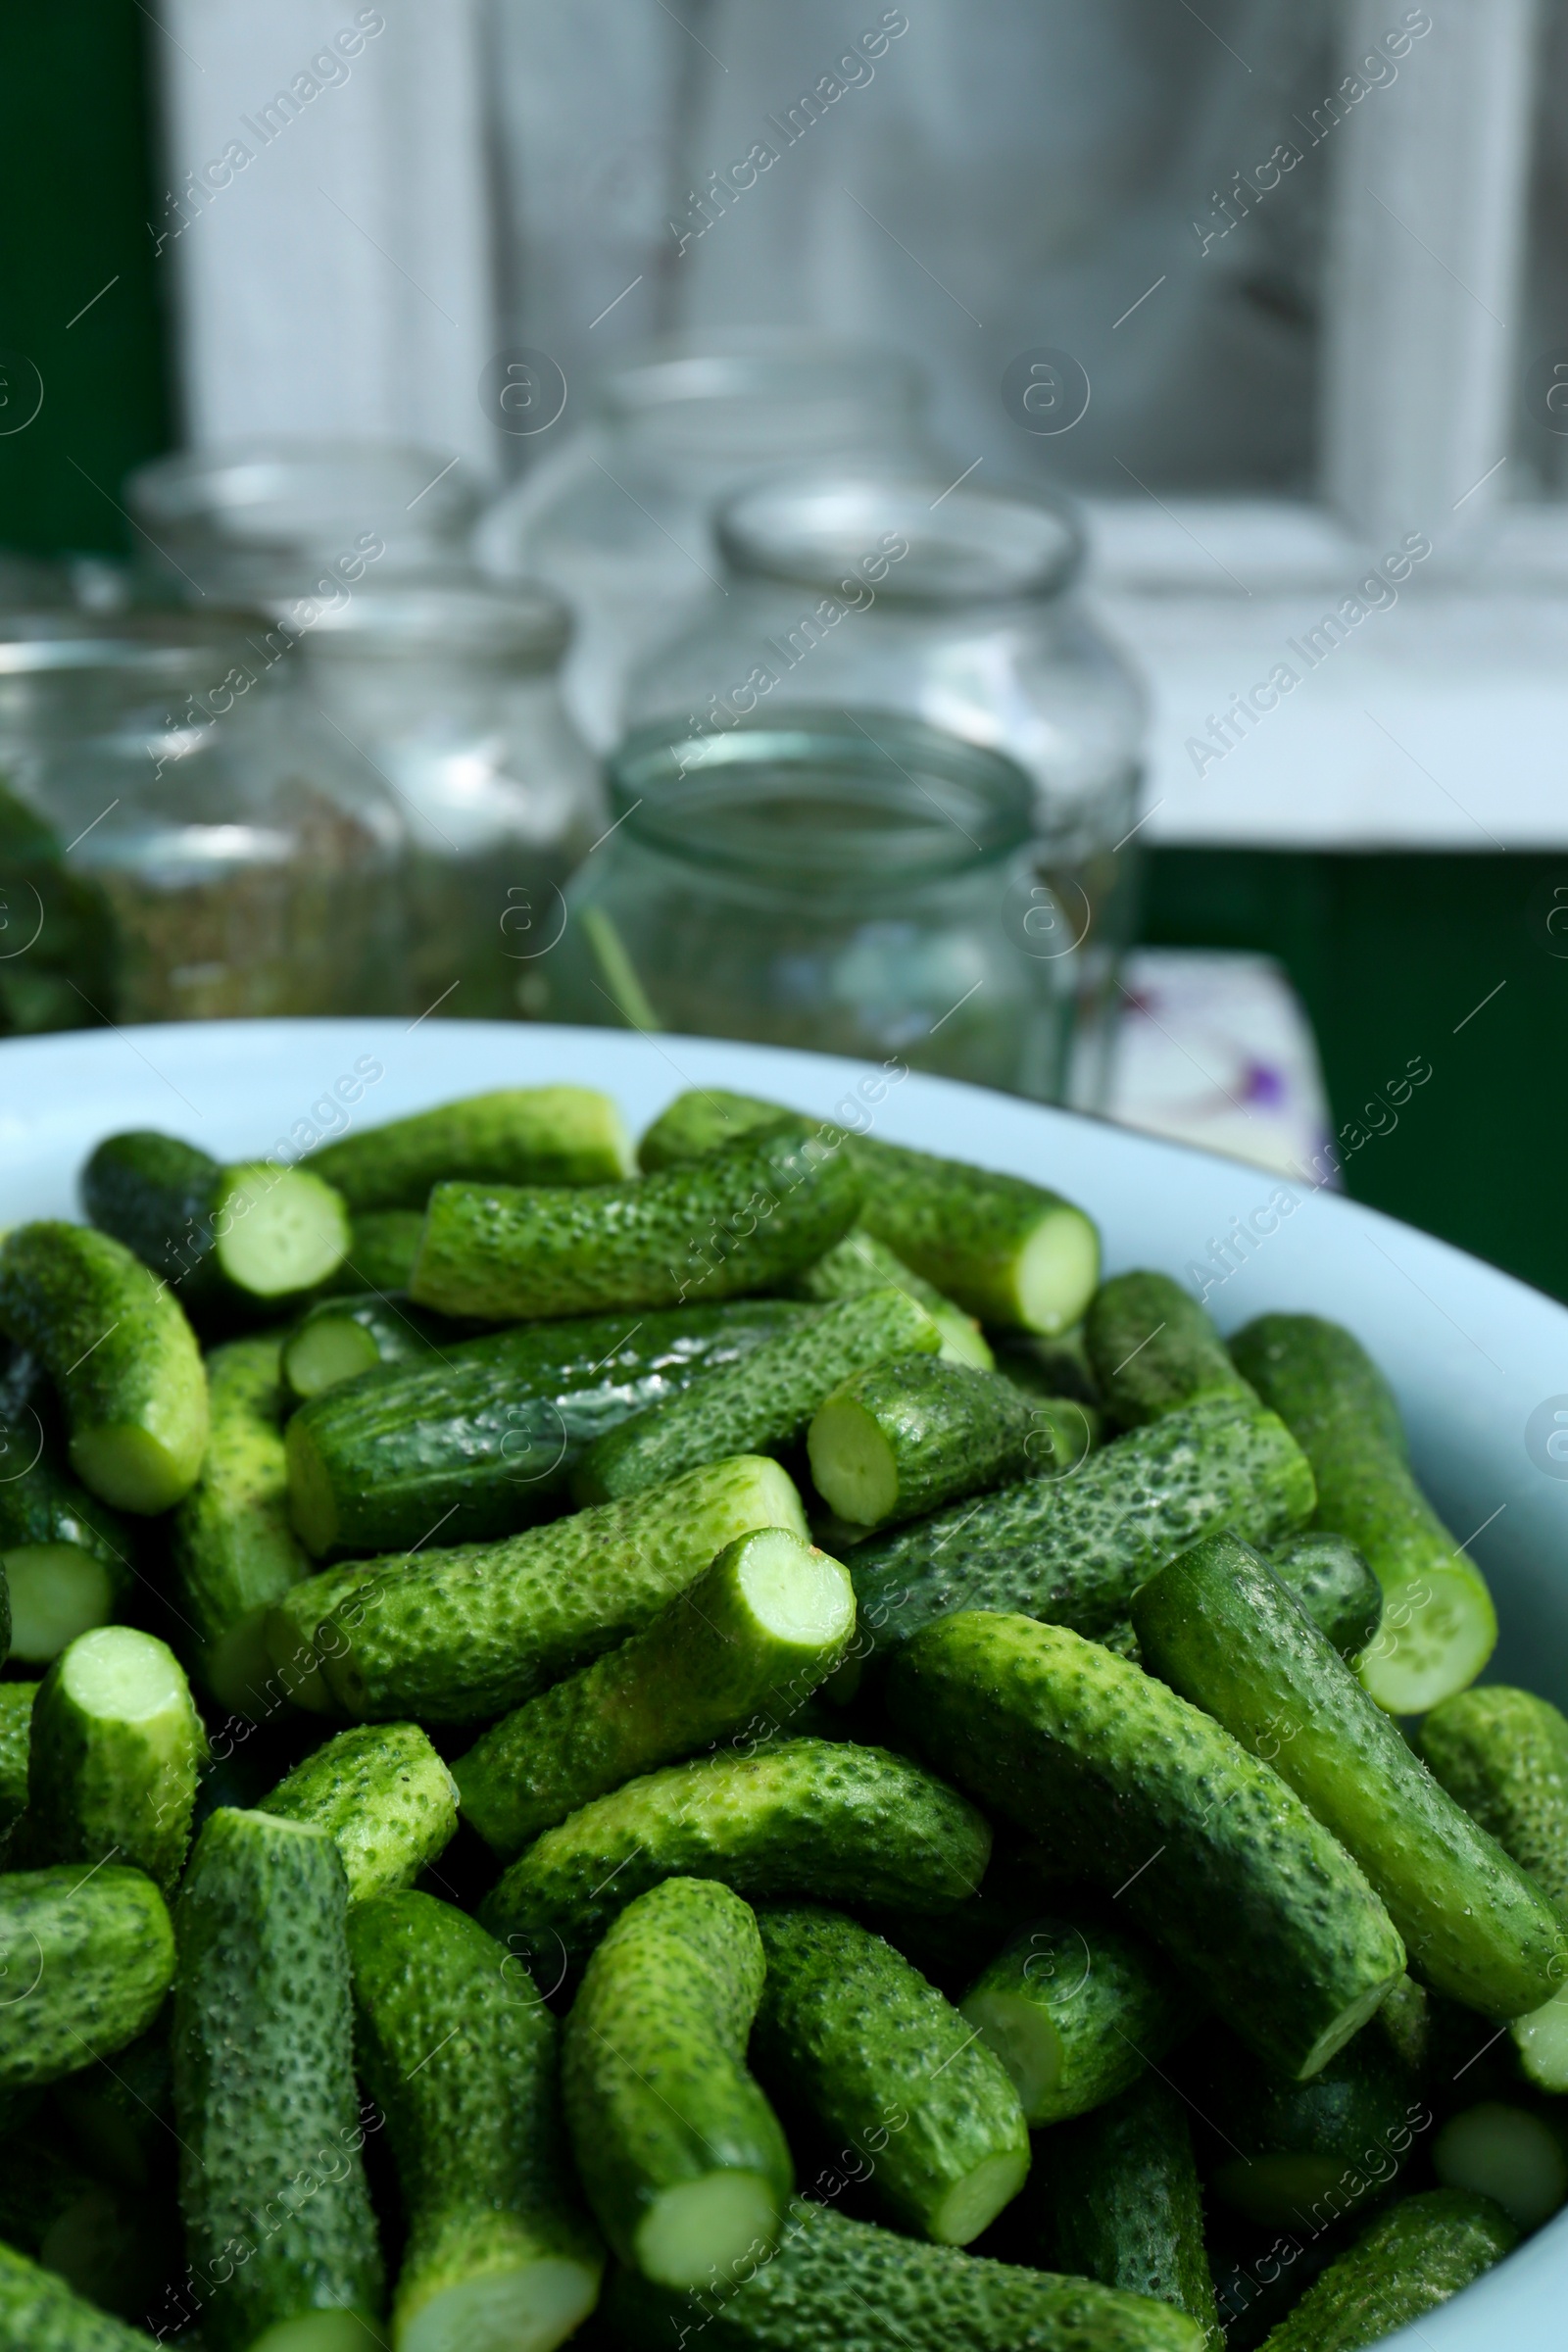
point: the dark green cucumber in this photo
(1219, 1630)
(1152, 1348)
(682, 2157)
(382, 1247)
(901, 1438)
(278, 2223)
(761, 1404)
(120, 2113)
(458, 2052)
(1438, 1625)
(65, 1558)
(1327, 1576)
(16, 1724)
(40, 2312)
(1073, 1550)
(455, 1637)
(745, 1645)
(1518, 2156)
(1413, 2257)
(743, 1220)
(700, 1122)
(1300, 2155)
(850, 2033)
(1213, 1857)
(116, 1745)
(860, 1264)
(1124, 2205)
(1056, 1367)
(382, 1794)
(519, 1135)
(482, 1442)
(155, 1192)
(338, 1339)
(802, 1818)
(1075, 2010)
(246, 1237)
(86, 1959)
(120, 1354)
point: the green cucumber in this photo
(1413, 2257)
(16, 1725)
(745, 1645)
(1124, 2202)
(120, 2113)
(382, 1247)
(1214, 1856)
(804, 1818)
(1073, 1550)
(482, 1442)
(458, 2052)
(453, 1637)
(1075, 2011)
(1298, 2155)
(382, 1794)
(292, 1623)
(337, 1339)
(40, 2312)
(1438, 1625)
(1057, 1368)
(1152, 1348)
(900, 1438)
(86, 1959)
(700, 1122)
(682, 2158)
(860, 1264)
(758, 1406)
(519, 1135)
(1515, 2155)
(120, 1354)
(1220, 1631)
(852, 2033)
(1327, 1576)
(65, 1558)
(116, 1746)
(278, 2223)
(243, 1237)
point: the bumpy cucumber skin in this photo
(860, 1264)
(454, 1638)
(100, 1954)
(97, 1788)
(459, 2053)
(1414, 2257)
(382, 1248)
(16, 1725)
(1154, 1348)
(740, 1220)
(1073, 1550)
(1504, 1756)
(119, 1351)
(292, 1623)
(156, 1194)
(1125, 2206)
(1114, 2008)
(848, 2030)
(700, 1122)
(385, 1797)
(804, 1818)
(263, 2083)
(1219, 1630)
(40, 2312)
(759, 1405)
(653, 2076)
(1356, 2123)
(1327, 1576)
(949, 1431)
(1212, 1855)
(517, 1135)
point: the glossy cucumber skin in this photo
(16, 1725)
(949, 1431)
(40, 2312)
(519, 1135)
(104, 1953)
(1413, 2257)
(1218, 1628)
(1327, 1576)
(383, 1245)
(1504, 1756)
(157, 1193)
(752, 1214)
(1114, 2007)
(385, 1797)
(99, 1787)
(1210, 1852)
(1154, 1348)
(860, 1264)
(1124, 2201)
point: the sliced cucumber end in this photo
(974, 2203)
(311, 1504)
(1020, 2033)
(1056, 1272)
(321, 2331)
(703, 2226)
(1542, 2041)
(775, 1498)
(57, 1592)
(1277, 2192)
(1507, 2154)
(117, 1675)
(325, 1353)
(1436, 1634)
(799, 1595)
(853, 1465)
(280, 1230)
(1348, 2023)
(530, 2309)
(962, 1340)
(124, 1464)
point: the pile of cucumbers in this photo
(733, 1751)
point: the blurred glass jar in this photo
(956, 607)
(180, 837)
(620, 517)
(452, 696)
(854, 882)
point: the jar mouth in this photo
(960, 544)
(525, 626)
(762, 384)
(280, 495)
(158, 645)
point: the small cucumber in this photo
(700, 1122)
(1124, 2202)
(744, 1645)
(292, 1623)
(65, 1558)
(116, 1746)
(683, 2160)
(1298, 2155)
(120, 2113)
(40, 2312)
(900, 1438)
(1057, 1368)
(1438, 1625)
(458, 2052)
(382, 1247)
(1152, 1348)
(1413, 2257)
(804, 1818)
(382, 1794)
(1219, 1630)
(87, 1960)
(1075, 2011)
(517, 1135)
(239, 1238)
(758, 1406)
(1515, 2155)
(120, 1354)
(849, 2032)
(337, 1339)
(860, 1264)
(16, 1725)
(1327, 1576)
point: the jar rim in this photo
(153, 641)
(962, 545)
(281, 492)
(522, 626)
(775, 367)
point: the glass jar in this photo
(452, 696)
(954, 605)
(179, 836)
(620, 517)
(851, 881)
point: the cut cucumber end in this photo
(706, 2226)
(280, 1230)
(124, 1464)
(962, 1340)
(57, 1592)
(1542, 2041)
(1349, 2023)
(796, 1593)
(1020, 2033)
(1436, 1635)
(1279, 2191)
(117, 1675)
(326, 1352)
(1057, 1271)
(974, 2203)
(532, 2309)
(853, 1465)
(1507, 2154)
(321, 2331)
(311, 1504)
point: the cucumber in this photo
(382, 1247)
(744, 1645)
(458, 2053)
(1413, 2257)
(385, 1797)
(482, 1442)
(456, 1637)
(15, 1723)
(1075, 2010)
(860, 1264)
(900, 1438)
(243, 1237)
(337, 1339)
(65, 1557)
(1073, 1550)
(806, 1818)
(1152, 1349)
(852, 2033)
(120, 2113)
(292, 1623)
(758, 1406)
(278, 2225)
(1438, 1625)
(87, 1959)
(1214, 1855)
(517, 1135)
(682, 2158)
(1057, 1368)
(700, 1122)
(1513, 2155)
(116, 1746)
(742, 1220)
(120, 1354)
(40, 2312)
(1124, 2202)
(1300, 2155)
(1327, 1576)
(1216, 1626)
